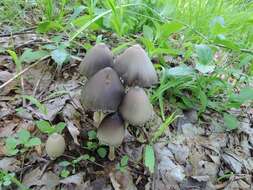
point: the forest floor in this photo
(201, 135)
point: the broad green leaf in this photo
(149, 158)
(92, 135)
(46, 26)
(45, 127)
(124, 161)
(204, 69)
(82, 20)
(220, 39)
(36, 102)
(23, 136)
(148, 32)
(217, 25)
(59, 55)
(33, 142)
(30, 56)
(11, 152)
(230, 121)
(11, 143)
(204, 54)
(59, 127)
(65, 173)
(169, 28)
(246, 94)
(181, 70)
(102, 152)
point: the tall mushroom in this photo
(135, 67)
(96, 59)
(103, 92)
(136, 108)
(111, 132)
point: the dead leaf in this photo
(76, 179)
(32, 178)
(9, 164)
(122, 180)
(49, 180)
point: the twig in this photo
(23, 71)
(19, 33)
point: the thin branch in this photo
(23, 71)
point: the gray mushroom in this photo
(136, 108)
(96, 59)
(103, 92)
(55, 146)
(135, 67)
(111, 132)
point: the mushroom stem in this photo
(111, 155)
(98, 116)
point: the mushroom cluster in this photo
(115, 91)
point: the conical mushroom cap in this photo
(103, 92)
(135, 67)
(136, 108)
(111, 130)
(96, 59)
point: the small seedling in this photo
(5, 180)
(21, 143)
(46, 127)
(123, 163)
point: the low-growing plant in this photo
(21, 143)
(48, 128)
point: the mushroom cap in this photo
(111, 130)
(135, 67)
(103, 92)
(96, 59)
(55, 145)
(136, 108)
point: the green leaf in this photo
(45, 127)
(204, 54)
(11, 143)
(30, 56)
(59, 55)
(33, 142)
(220, 39)
(204, 69)
(148, 32)
(36, 102)
(203, 100)
(59, 127)
(181, 70)
(14, 56)
(102, 152)
(230, 121)
(169, 28)
(65, 173)
(23, 136)
(245, 95)
(124, 161)
(149, 158)
(92, 135)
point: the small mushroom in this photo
(135, 67)
(111, 132)
(96, 59)
(136, 108)
(55, 146)
(103, 92)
